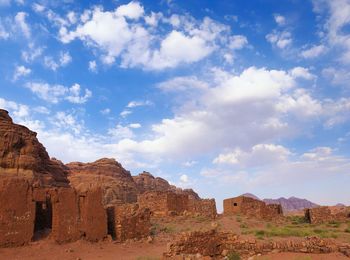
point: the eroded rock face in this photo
(117, 184)
(21, 154)
(147, 182)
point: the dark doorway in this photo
(235, 204)
(43, 219)
(111, 222)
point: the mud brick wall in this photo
(17, 212)
(157, 202)
(213, 244)
(324, 214)
(163, 203)
(252, 208)
(202, 207)
(131, 222)
(176, 203)
(65, 215)
(93, 216)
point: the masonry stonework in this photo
(252, 208)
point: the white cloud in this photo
(339, 17)
(57, 93)
(133, 104)
(63, 60)
(337, 76)
(260, 154)
(21, 71)
(182, 84)
(19, 111)
(238, 42)
(300, 72)
(132, 10)
(38, 7)
(32, 54)
(20, 20)
(314, 52)
(125, 113)
(119, 35)
(134, 125)
(121, 132)
(279, 19)
(105, 111)
(184, 178)
(92, 66)
(4, 33)
(281, 40)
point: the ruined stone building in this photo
(40, 196)
(167, 203)
(252, 208)
(326, 214)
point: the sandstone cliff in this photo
(22, 155)
(117, 184)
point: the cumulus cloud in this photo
(260, 154)
(314, 52)
(338, 18)
(20, 20)
(63, 60)
(57, 93)
(93, 66)
(21, 71)
(120, 35)
(133, 104)
(280, 19)
(280, 40)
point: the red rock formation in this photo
(21, 154)
(116, 182)
(147, 182)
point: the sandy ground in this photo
(165, 230)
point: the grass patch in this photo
(295, 232)
(233, 256)
(201, 219)
(297, 220)
(168, 229)
(347, 230)
(243, 225)
(333, 224)
(238, 219)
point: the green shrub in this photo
(233, 256)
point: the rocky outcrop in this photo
(21, 154)
(117, 184)
(147, 182)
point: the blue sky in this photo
(225, 97)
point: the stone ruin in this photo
(217, 245)
(252, 208)
(128, 221)
(42, 197)
(36, 198)
(326, 214)
(167, 203)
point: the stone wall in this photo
(93, 216)
(218, 244)
(202, 207)
(17, 212)
(128, 221)
(163, 203)
(325, 214)
(252, 208)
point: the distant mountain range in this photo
(290, 204)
